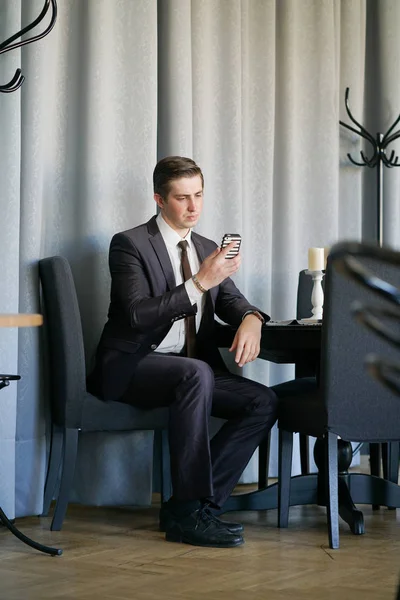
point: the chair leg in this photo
(161, 450)
(263, 462)
(67, 475)
(304, 453)
(166, 486)
(375, 459)
(332, 496)
(284, 476)
(393, 461)
(385, 460)
(375, 464)
(56, 446)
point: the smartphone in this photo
(227, 239)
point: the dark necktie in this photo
(190, 322)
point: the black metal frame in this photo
(4, 382)
(18, 79)
(378, 159)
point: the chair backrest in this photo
(63, 331)
(359, 408)
(304, 290)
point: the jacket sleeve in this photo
(131, 290)
(231, 305)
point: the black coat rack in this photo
(12, 86)
(378, 159)
(6, 46)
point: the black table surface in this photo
(282, 344)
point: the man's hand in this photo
(247, 340)
(216, 267)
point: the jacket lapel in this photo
(161, 252)
(212, 294)
(199, 247)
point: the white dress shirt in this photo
(174, 341)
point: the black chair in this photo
(380, 454)
(73, 410)
(387, 454)
(345, 403)
(387, 372)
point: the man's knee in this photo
(265, 404)
(196, 385)
(199, 371)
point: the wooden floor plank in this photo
(119, 554)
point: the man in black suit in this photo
(158, 348)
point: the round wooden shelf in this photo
(21, 320)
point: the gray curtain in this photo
(253, 90)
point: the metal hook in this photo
(367, 135)
(391, 138)
(386, 136)
(18, 78)
(14, 84)
(5, 47)
(369, 161)
(355, 162)
(389, 162)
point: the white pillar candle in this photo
(315, 259)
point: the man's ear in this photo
(159, 200)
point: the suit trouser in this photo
(201, 468)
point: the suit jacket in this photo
(145, 302)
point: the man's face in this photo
(183, 205)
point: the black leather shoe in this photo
(199, 528)
(167, 518)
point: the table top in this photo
(283, 344)
(21, 320)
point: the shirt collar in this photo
(169, 235)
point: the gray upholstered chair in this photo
(346, 403)
(385, 454)
(73, 410)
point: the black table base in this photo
(4, 382)
(46, 549)
(311, 489)
(357, 487)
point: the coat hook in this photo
(6, 46)
(378, 159)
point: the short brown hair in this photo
(173, 167)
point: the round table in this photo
(21, 320)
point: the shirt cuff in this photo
(192, 291)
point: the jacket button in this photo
(153, 346)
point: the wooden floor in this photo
(118, 554)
